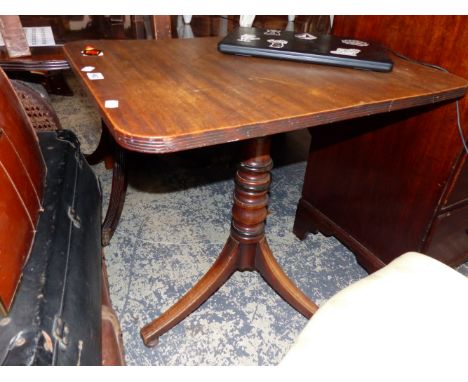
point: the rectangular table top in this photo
(178, 94)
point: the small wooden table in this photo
(47, 60)
(176, 95)
(44, 58)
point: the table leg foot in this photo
(274, 275)
(303, 224)
(217, 275)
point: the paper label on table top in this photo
(87, 68)
(111, 104)
(95, 76)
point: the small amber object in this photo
(91, 51)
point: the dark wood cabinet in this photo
(395, 182)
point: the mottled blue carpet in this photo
(175, 221)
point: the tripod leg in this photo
(271, 271)
(217, 275)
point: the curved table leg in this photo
(115, 157)
(246, 247)
(217, 275)
(274, 275)
(117, 195)
(103, 149)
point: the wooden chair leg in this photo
(113, 353)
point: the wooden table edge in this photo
(169, 144)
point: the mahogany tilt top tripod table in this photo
(175, 95)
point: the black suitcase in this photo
(56, 315)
